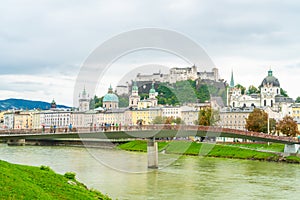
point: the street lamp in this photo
(268, 127)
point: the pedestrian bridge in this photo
(150, 132)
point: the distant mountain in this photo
(26, 104)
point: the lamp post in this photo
(268, 127)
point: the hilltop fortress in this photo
(175, 74)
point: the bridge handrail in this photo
(216, 129)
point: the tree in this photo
(283, 92)
(241, 87)
(92, 104)
(288, 126)
(158, 120)
(258, 121)
(203, 93)
(253, 90)
(297, 100)
(208, 117)
(98, 101)
(123, 101)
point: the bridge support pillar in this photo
(291, 148)
(152, 151)
(16, 142)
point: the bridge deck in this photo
(149, 131)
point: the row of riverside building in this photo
(233, 115)
(144, 111)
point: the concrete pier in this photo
(16, 142)
(152, 151)
(291, 148)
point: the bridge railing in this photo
(156, 127)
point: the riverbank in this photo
(27, 182)
(262, 152)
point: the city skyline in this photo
(44, 45)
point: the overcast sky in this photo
(44, 43)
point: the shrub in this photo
(70, 175)
(45, 168)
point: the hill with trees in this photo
(176, 94)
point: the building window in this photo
(265, 102)
(271, 103)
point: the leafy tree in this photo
(258, 121)
(253, 90)
(167, 120)
(288, 126)
(243, 89)
(123, 101)
(144, 96)
(297, 100)
(165, 95)
(92, 104)
(208, 117)
(203, 93)
(178, 120)
(283, 92)
(158, 120)
(185, 92)
(98, 102)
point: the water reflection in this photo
(186, 178)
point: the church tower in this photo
(233, 94)
(84, 102)
(53, 105)
(269, 89)
(134, 98)
(152, 96)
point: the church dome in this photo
(152, 90)
(270, 80)
(110, 96)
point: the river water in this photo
(186, 178)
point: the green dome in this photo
(152, 90)
(271, 80)
(135, 87)
(110, 98)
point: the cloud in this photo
(53, 38)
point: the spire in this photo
(135, 87)
(231, 81)
(84, 91)
(110, 90)
(53, 104)
(152, 90)
(270, 72)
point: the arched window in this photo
(233, 104)
(265, 102)
(271, 103)
(277, 91)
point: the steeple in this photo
(231, 81)
(83, 94)
(270, 72)
(152, 90)
(53, 104)
(110, 90)
(135, 89)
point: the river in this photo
(186, 178)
